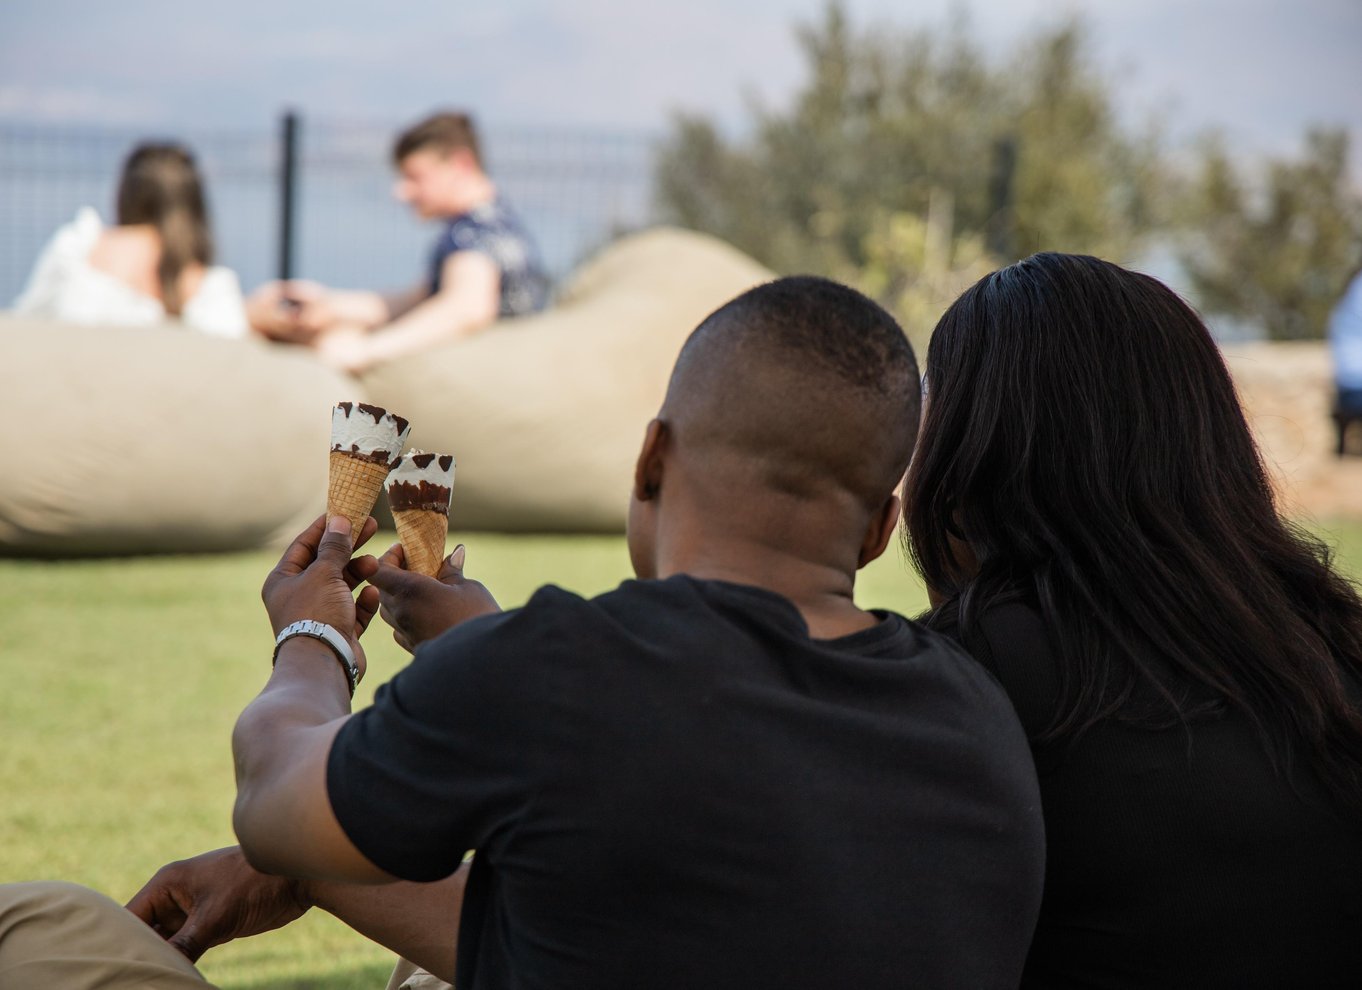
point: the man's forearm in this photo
(403, 301)
(307, 688)
(359, 306)
(279, 746)
(435, 321)
(418, 921)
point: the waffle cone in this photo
(422, 532)
(354, 489)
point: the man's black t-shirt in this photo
(1177, 857)
(672, 785)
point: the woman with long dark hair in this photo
(1095, 524)
(154, 266)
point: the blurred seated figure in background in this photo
(155, 266)
(1345, 343)
(1095, 525)
(484, 265)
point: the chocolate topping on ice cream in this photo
(403, 496)
(373, 456)
(378, 412)
(423, 460)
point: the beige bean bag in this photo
(144, 440)
(546, 413)
(121, 440)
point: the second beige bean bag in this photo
(545, 414)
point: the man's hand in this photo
(278, 310)
(346, 348)
(315, 579)
(198, 903)
(419, 608)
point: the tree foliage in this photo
(907, 148)
(1277, 252)
(911, 162)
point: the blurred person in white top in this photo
(155, 266)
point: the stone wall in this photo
(1287, 390)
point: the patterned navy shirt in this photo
(494, 229)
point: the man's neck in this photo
(820, 590)
(480, 192)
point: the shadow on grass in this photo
(370, 977)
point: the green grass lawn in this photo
(122, 679)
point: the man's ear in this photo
(648, 469)
(880, 531)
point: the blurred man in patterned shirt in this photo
(483, 267)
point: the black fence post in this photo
(288, 174)
(999, 232)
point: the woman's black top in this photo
(1177, 857)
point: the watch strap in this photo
(328, 635)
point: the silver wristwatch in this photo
(328, 635)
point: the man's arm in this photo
(403, 301)
(360, 307)
(300, 311)
(418, 921)
(211, 899)
(281, 742)
(469, 300)
(283, 817)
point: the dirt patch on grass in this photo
(1288, 391)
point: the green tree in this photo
(908, 149)
(1277, 252)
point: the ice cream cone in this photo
(365, 442)
(419, 490)
(422, 533)
(354, 488)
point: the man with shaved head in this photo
(722, 774)
(788, 422)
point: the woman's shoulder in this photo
(1004, 622)
(1009, 636)
(81, 231)
(65, 251)
(65, 284)
(73, 241)
(130, 255)
(217, 307)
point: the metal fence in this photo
(575, 189)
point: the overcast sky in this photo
(1261, 70)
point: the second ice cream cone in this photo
(422, 533)
(418, 492)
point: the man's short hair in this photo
(805, 381)
(443, 132)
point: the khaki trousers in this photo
(64, 935)
(409, 976)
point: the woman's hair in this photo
(1082, 436)
(161, 187)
